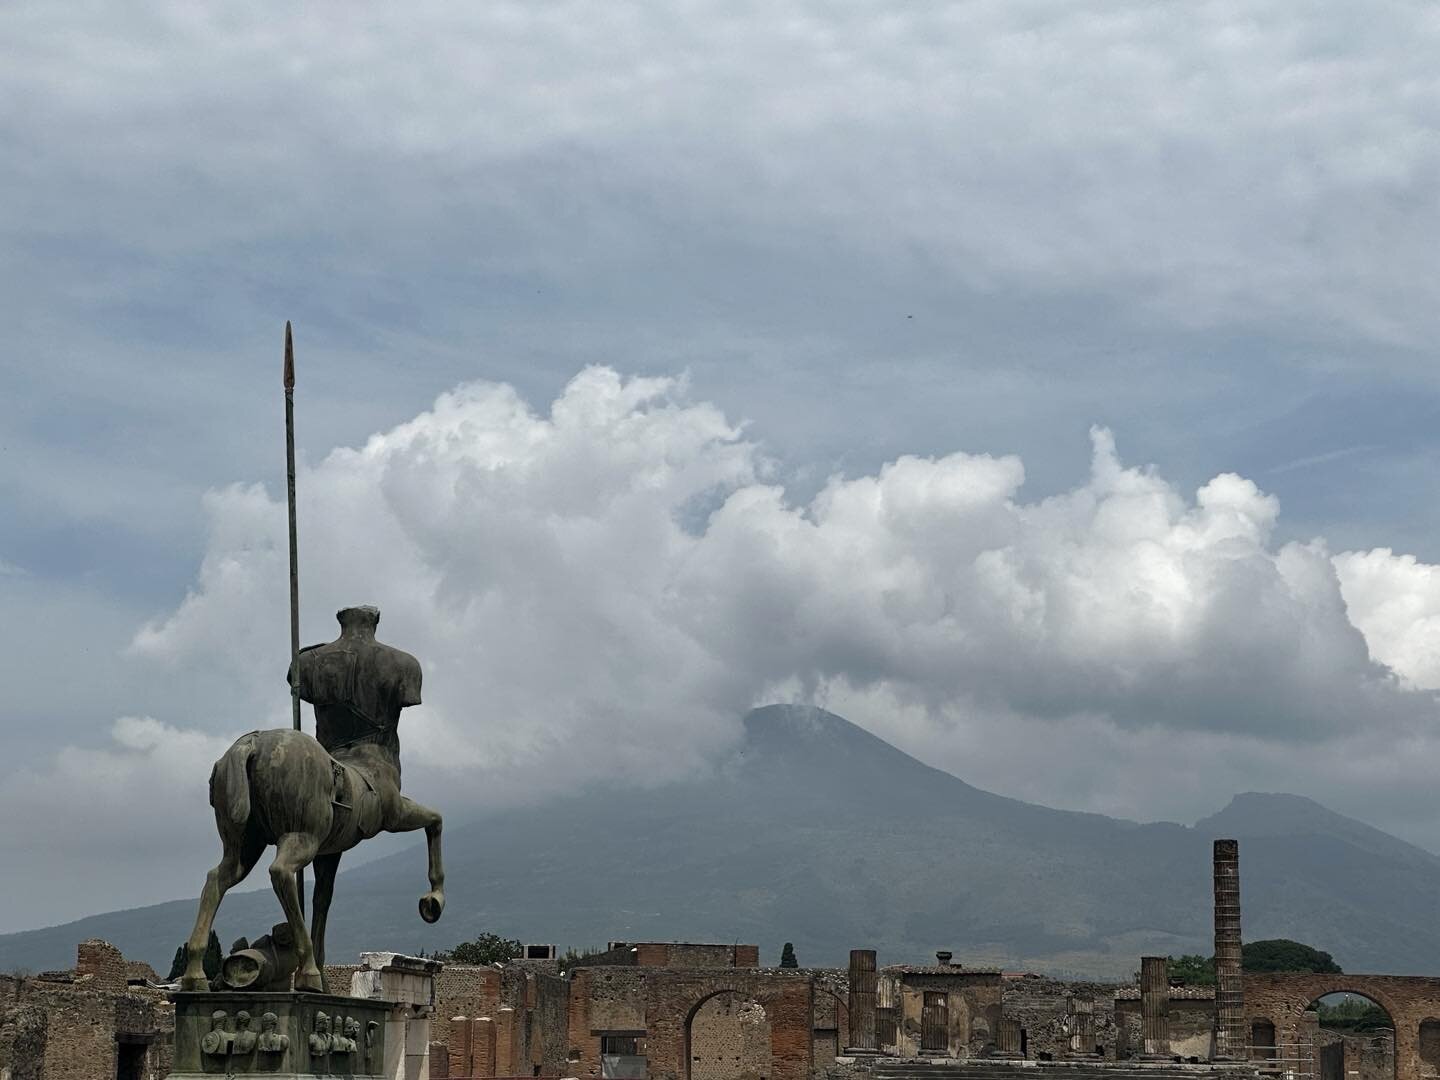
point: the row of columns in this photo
(1230, 1033)
(483, 1046)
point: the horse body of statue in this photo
(315, 798)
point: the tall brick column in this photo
(862, 1003)
(1230, 1035)
(1155, 1008)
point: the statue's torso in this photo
(358, 688)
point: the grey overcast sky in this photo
(1049, 387)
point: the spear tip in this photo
(289, 359)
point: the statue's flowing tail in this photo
(230, 780)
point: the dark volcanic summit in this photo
(817, 832)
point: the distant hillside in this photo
(819, 833)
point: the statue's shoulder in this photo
(404, 670)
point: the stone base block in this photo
(279, 1035)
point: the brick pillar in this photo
(1081, 1012)
(862, 1003)
(1008, 1038)
(482, 1042)
(1230, 1034)
(458, 1049)
(439, 1061)
(1154, 1009)
(505, 1042)
(102, 963)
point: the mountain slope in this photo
(819, 833)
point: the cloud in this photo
(598, 592)
(1395, 601)
(615, 582)
(1224, 166)
(144, 794)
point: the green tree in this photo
(1282, 954)
(488, 948)
(211, 961)
(1192, 969)
(1352, 1014)
(787, 956)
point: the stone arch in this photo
(727, 1037)
(1288, 1003)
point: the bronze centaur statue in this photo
(316, 798)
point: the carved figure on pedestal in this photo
(352, 1034)
(272, 1041)
(217, 1040)
(315, 798)
(245, 1039)
(321, 1042)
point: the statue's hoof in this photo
(431, 905)
(194, 984)
(309, 984)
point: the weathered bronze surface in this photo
(315, 798)
(278, 1034)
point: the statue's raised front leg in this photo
(413, 816)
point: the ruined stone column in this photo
(1008, 1038)
(1081, 1014)
(862, 1003)
(1154, 1009)
(1230, 1033)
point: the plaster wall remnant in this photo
(1191, 1023)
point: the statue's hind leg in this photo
(239, 858)
(294, 851)
(414, 816)
(325, 867)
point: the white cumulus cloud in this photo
(598, 592)
(614, 582)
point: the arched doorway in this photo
(1354, 1037)
(1430, 1047)
(727, 1037)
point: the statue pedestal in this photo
(278, 1034)
(405, 985)
(381, 1031)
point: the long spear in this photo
(294, 557)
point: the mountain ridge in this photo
(818, 832)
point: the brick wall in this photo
(72, 1030)
(1410, 1001)
(102, 963)
(23, 1031)
(688, 955)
